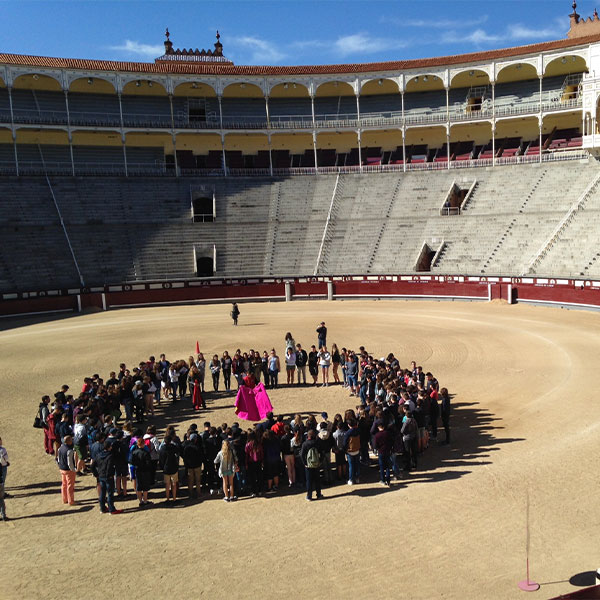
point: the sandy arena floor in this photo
(526, 416)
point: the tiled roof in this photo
(224, 69)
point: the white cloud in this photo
(515, 32)
(440, 24)
(360, 43)
(522, 32)
(260, 51)
(138, 49)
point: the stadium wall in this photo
(571, 293)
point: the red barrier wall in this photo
(569, 292)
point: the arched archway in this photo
(335, 101)
(470, 91)
(290, 105)
(38, 98)
(92, 85)
(380, 98)
(93, 101)
(243, 105)
(517, 89)
(145, 104)
(195, 105)
(425, 99)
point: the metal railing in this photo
(551, 103)
(161, 169)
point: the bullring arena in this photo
(445, 210)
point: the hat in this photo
(113, 431)
(138, 382)
(324, 415)
(193, 437)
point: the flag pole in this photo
(527, 585)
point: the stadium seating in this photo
(279, 226)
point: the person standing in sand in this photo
(235, 313)
(66, 464)
(322, 335)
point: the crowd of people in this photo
(398, 411)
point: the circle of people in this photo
(398, 413)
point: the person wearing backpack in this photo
(312, 464)
(352, 449)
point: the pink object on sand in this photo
(252, 404)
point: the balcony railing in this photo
(161, 169)
(393, 118)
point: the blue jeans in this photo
(273, 378)
(384, 468)
(239, 481)
(107, 490)
(353, 467)
(363, 395)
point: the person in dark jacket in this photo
(384, 441)
(169, 462)
(141, 459)
(322, 335)
(313, 481)
(193, 459)
(301, 362)
(445, 413)
(434, 413)
(105, 467)
(235, 313)
(212, 445)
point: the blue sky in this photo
(281, 32)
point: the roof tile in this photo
(225, 69)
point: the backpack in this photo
(313, 461)
(354, 443)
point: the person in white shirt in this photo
(290, 364)
(324, 363)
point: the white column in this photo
(12, 126)
(104, 301)
(174, 140)
(404, 148)
(267, 111)
(70, 137)
(541, 122)
(125, 154)
(288, 291)
(448, 144)
(330, 290)
(270, 156)
(123, 133)
(448, 127)
(172, 113)
(358, 108)
(315, 150)
(359, 151)
(312, 108)
(494, 142)
(224, 155)
(541, 117)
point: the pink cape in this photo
(252, 404)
